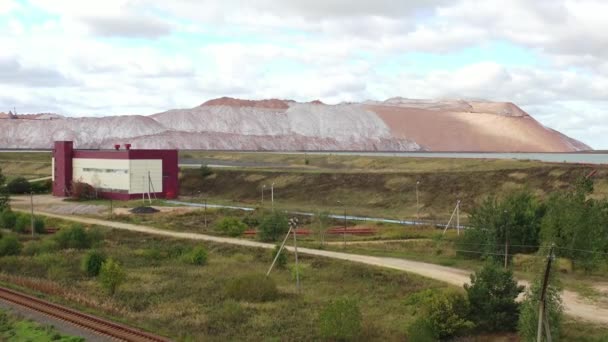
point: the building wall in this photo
(103, 174)
(140, 169)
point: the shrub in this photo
(197, 256)
(19, 185)
(73, 237)
(231, 226)
(204, 171)
(9, 245)
(445, 312)
(82, 191)
(40, 247)
(528, 317)
(42, 187)
(92, 262)
(492, 295)
(340, 320)
(22, 224)
(282, 259)
(421, 331)
(39, 225)
(8, 219)
(273, 226)
(111, 276)
(252, 288)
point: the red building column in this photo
(63, 153)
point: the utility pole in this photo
(263, 187)
(506, 228)
(458, 217)
(205, 212)
(111, 206)
(272, 195)
(417, 202)
(293, 222)
(542, 317)
(32, 210)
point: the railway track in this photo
(99, 325)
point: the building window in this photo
(99, 170)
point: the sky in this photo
(119, 57)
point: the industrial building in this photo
(118, 174)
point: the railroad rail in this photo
(99, 325)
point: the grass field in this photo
(28, 165)
(13, 328)
(189, 303)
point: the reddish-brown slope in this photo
(468, 131)
(232, 102)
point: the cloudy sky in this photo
(144, 56)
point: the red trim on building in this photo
(64, 153)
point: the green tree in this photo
(111, 276)
(492, 295)
(528, 317)
(231, 226)
(444, 312)
(73, 237)
(19, 185)
(273, 226)
(282, 259)
(10, 245)
(340, 320)
(92, 262)
(321, 222)
(4, 198)
(517, 217)
(8, 219)
(22, 224)
(578, 225)
(39, 225)
(197, 256)
(204, 171)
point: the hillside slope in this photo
(396, 124)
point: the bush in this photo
(39, 225)
(273, 226)
(528, 317)
(22, 224)
(19, 185)
(42, 187)
(445, 312)
(73, 237)
(92, 262)
(204, 171)
(111, 276)
(197, 256)
(252, 288)
(282, 259)
(492, 295)
(9, 245)
(231, 226)
(340, 320)
(40, 247)
(421, 331)
(8, 219)
(82, 191)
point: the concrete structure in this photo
(117, 174)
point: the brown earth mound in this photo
(232, 102)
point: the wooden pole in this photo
(541, 306)
(280, 250)
(295, 247)
(32, 211)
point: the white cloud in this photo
(304, 50)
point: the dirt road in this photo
(573, 304)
